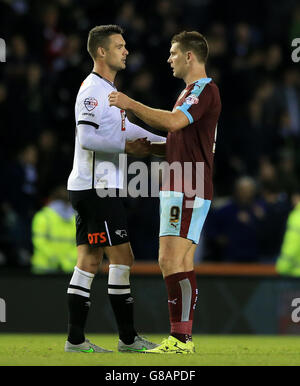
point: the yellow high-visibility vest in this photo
(54, 242)
(288, 262)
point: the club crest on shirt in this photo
(90, 103)
(191, 100)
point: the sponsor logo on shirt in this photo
(90, 103)
(191, 100)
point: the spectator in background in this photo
(5, 135)
(273, 63)
(294, 29)
(218, 42)
(234, 226)
(53, 235)
(20, 201)
(35, 100)
(243, 44)
(286, 171)
(275, 207)
(141, 86)
(19, 59)
(50, 160)
(134, 23)
(288, 97)
(266, 172)
(71, 55)
(264, 95)
(54, 38)
(248, 146)
(15, 79)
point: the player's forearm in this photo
(134, 131)
(90, 141)
(159, 119)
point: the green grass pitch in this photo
(220, 350)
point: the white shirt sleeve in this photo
(134, 131)
(91, 139)
(90, 107)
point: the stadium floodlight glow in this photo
(2, 311)
(2, 50)
(296, 52)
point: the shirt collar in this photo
(106, 80)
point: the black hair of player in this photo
(99, 37)
(192, 41)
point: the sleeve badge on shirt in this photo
(191, 100)
(90, 103)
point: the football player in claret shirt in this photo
(192, 130)
(102, 133)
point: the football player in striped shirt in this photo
(192, 130)
(102, 134)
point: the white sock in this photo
(118, 279)
(81, 283)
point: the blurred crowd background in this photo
(257, 161)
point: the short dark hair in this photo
(98, 37)
(192, 41)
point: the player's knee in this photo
(130, 261)
(120, 254)
(188, 266)
(164, 262)
(88, 267)
(170, 264)
(122, 260)
(89, 262)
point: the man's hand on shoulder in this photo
(139, 148)
(119, 100)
